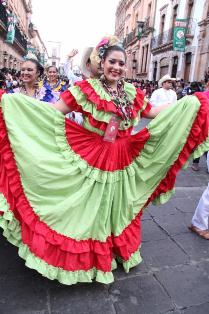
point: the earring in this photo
(102, 78)
(36, 85)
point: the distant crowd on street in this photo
(11, 78)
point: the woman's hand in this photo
(155, 111)
(72, 53)
(61, 106)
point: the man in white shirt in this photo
(164, 94)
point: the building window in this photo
(162, 26)
(189, 8)
(146, 57)
(162, 23)
(142, 61)
(154, 71)
(134, 61)
(126, 30)
(164, 66)
(175, 9)
(148, 15)
(175, 66)
(188, 60)
(145, 50)
(136, 20)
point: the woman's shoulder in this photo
(16, 90)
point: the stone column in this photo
(158, 71)
(170, 65)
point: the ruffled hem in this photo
(12, 232)
(197, 140)
(40, 236)
(134, 260)
(42, 240)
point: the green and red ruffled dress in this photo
(72, 202)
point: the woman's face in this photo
(52, 74)
(114, 66)
(29, 72)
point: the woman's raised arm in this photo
(61, 106)
(155, 111)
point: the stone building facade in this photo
(11, 55)
(134, 25)
(164, 59)
(202, 61)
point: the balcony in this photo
(3, 16)
(191, 28)
(165, 39)
(162, 39)
(147, 28)
(131, 37)
(20, 40)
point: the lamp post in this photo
(134, 63)
(140, 26)
(5, 54)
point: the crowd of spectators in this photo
(10, 78)
(180, 86)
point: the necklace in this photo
(35, 95)
(54, 85)
(119, 98)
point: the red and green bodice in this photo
(97, 107)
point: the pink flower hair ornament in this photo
(98, 52)
(103, 42)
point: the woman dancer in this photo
(30, 73)
(53, 83)
(72, 196)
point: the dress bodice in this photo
(97, 107)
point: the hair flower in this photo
(103, 42)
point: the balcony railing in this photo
(162, 39)
(191, 27)
(130, 37)
(166, 37)
(20, 39)
(3, 15)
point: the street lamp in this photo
(140, 26)
(5, 55)
(134, 63)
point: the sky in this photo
(75, 23)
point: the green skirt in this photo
(71, 202)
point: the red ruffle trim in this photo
(104, 155)
(66, 253)
(198, 134)
(69, 99)
(102, 104)
(55, 249)
(2, 91)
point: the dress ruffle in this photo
(61, 257)
(90, 98)
(70, 255)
